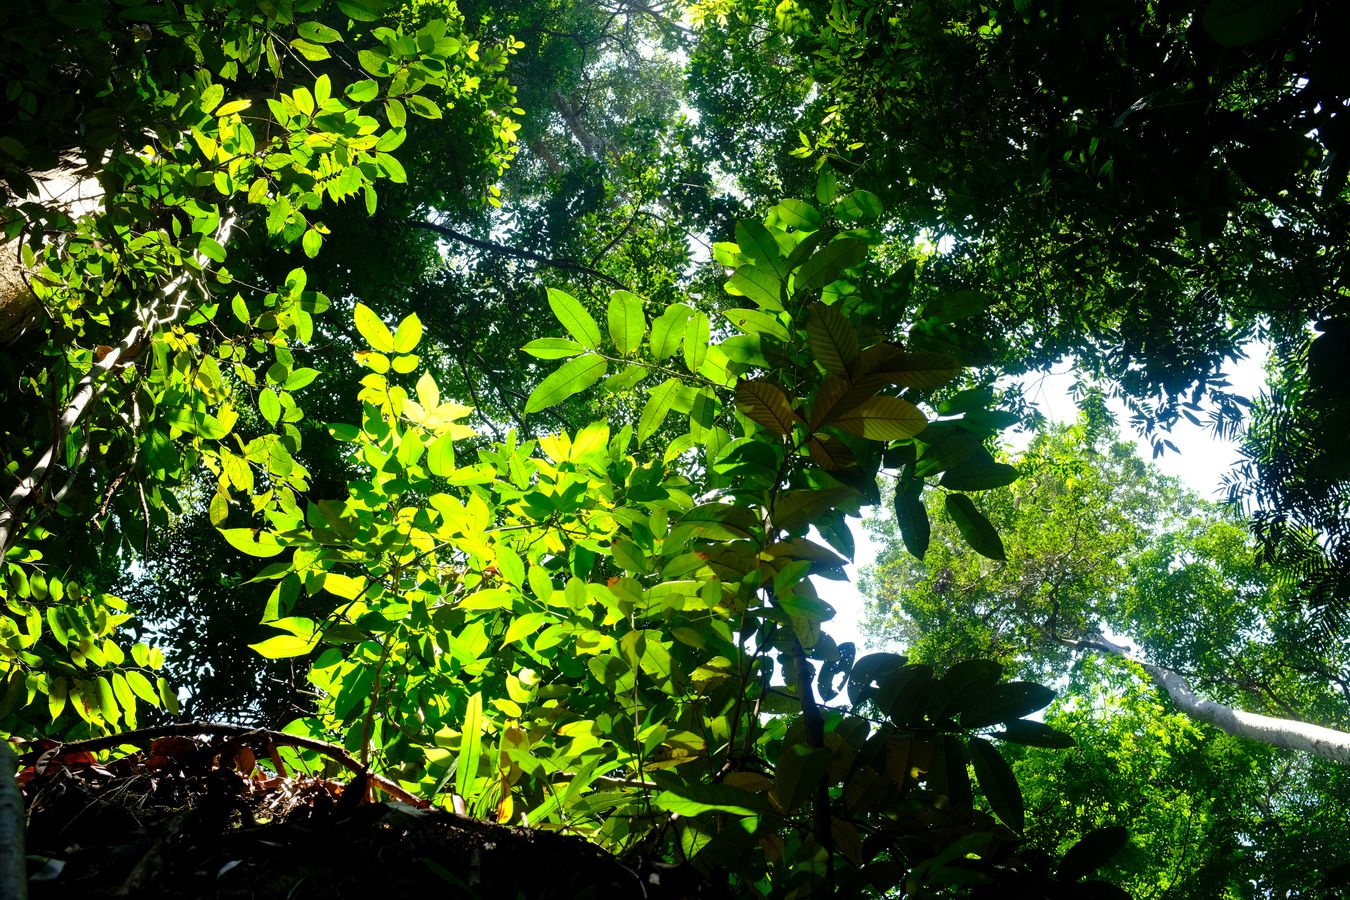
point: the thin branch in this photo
(240, 732)
(566, 265)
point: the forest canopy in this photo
(488, 392)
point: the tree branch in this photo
(1288, 734)
(566, 265)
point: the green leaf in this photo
(574, 317)
(441, 456)
(977, 531)
(826, 264)
(1236, 23)
(661, 399)
(252, 541)
(269, 405)
(998, 783)
(470, 746)
(283, 646)
(755, 321)
(693, 799)
(362, 10)
(363, 91)
(142, 687)
(1006, 702)
(798, 214)
(627, 325)
(833, 342)
(553, 348)
(318, 33)
(862, 206)
(211, 97)
(696, 336)
(760, 285)
(211, 249)
(912, 517)
(572, 377)
(1095, 850)
(311, 242)
(756, 243)
(408, 335)
(392, 168)
(1033, 734)
(310, 50)
(375, 332)
(979, 474)
(668, 330)
(395, 112)
(882, 418)
(423, 106)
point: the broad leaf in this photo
(828, 262)
(998, 783)
(659, 402)
(833, 341)
(882, 419)
(627, 325)
(252, 541)
(912, 517)
(978, 532)
(759, 285)
(572, 377)
(1096, 849)
(574, 317)
(765, 403)
(757, 244)
(375, 332)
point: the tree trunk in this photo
(71, 189)
(1288, 734)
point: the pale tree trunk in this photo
(1288, 734)
(174, 302)
(73, 190)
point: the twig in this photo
(566, 265)
(276, 738)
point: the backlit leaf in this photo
(375, 332)
(998, 783)
(765, 403)
(882, 418)
(627, 325)
(832, 339)
(574, 317)
(572, 377)
(658, 405)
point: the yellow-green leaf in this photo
(627, 325)
(574, 317)
(572, 377)
(373, 330)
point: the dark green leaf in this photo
(1095, 850)
(998, 783)
(978, 532)
(1033, 734)
(912, 517)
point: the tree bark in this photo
(1288, 734)
(13, 862)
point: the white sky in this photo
(1200, 464)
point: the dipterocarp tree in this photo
(575, 589)
(1208, 687)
